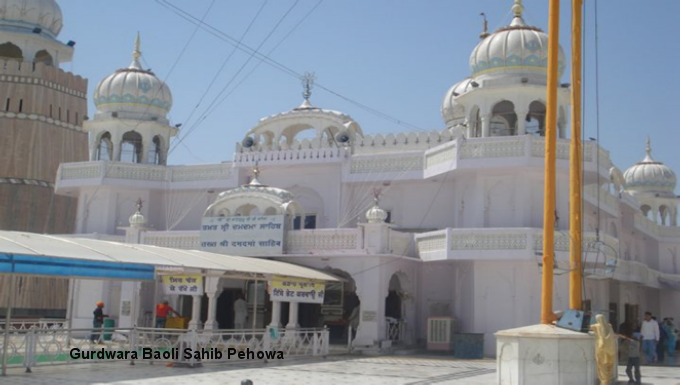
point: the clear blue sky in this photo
(398, 57)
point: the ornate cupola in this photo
(653, 183)
(131, 124)
(254, 198)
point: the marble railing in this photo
(401, 243)
(650, 227)
(501, 243)
(145, 172)
(300, 155)
(322, 240)
(186, 240)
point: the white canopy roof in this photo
(79, 249)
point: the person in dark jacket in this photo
(97, 322)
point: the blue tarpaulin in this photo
(74, 268)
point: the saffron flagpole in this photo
(547, 315)
(575, 166)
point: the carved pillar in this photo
(195, 322)
(486, 125)
(116, 145)
(276, 314)
(211, 323)
(293, 316)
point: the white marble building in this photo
(458, 228)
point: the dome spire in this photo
(136, 54)
(648, 150)
(517, 9)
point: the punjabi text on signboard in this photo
(257, 235)
(183, 284)
(296, 290)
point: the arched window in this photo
(104, 148)
(44, 57)
(536, 119)
(475, 123)
(10, 51)
(131, 147)
(646, 210)
(503, 119)
(154, 154)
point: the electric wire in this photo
(215, 103)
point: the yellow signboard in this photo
(296, 290)
(183, 284)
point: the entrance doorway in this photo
(224, 313)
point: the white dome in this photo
(516, 49)
(650, 176)
(376, 214)
(451, 110)
(29, 14)
(133, 93)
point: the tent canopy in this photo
(37, 254)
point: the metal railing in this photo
(31, 347)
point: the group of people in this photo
(657, 343)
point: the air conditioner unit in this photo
(440, 332)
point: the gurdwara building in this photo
(446, 223)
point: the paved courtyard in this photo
(334, 370)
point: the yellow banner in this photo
(296, 290)
(183, 284)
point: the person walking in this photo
(240, 312)
(631, 347)
(162, 310)
(650, 337)
(661, 345)
(97, 322)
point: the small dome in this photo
(375, 214)
(451, 110)
(516, 49)
(650, 176)
(29, 14)
(133, 93)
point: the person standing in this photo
(240, 312)
(650, 337)
(671, 338)
(162, 310)
(97, 321)
(661, 345)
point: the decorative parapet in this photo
(507, 147)
(652, 228)
(501, 243)
(320, 241)
(385, 164)
(185, 240)
(443, 154)
(379, 143)
(13, 71)
(145, 172)
(303, 155)
(401, 243)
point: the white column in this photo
(486, 125)
(522, 122)
(293, 316)
(146, 145)
(195, 322)
(211, 323)
(117, 146)
(276, 314)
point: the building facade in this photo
(446, 223)
(42, 109)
